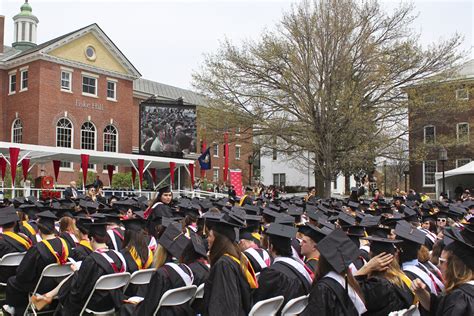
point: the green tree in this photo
(327, 80)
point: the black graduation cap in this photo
(246, 234)
(89, 186)
(8, 215)
(29, 209)
(134, 223)
(82, 223)
(251, 209)
(456, 211)
(353, 205)
(253, 220)
(205, 205)
(198, 244)
(410, 215)
(379, 231)
(99, 218)
(462, 244)
(327, 224)
(97, 229)
(285, 219)
(280, 230)
(316, 233)
(338, 250)
(125, 205)
(380, 244)
(294, 210)
(369, 221)
(410, 233)
(354, 230)
(174, 240)
(47, 219)
(269, 214)
(164, 189)
(469, 204)
(346, 219)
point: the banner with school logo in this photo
(236, 180)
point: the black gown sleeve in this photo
(322, 301)
(158, 285)
(456, 303)
(224, 295)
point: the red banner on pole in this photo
(191, 174)
(3, 167)
(141, 166)
(236, 181)
(203, 149)
(134, 176)
(110, 171)
(153, 174)
(56, 166)
(14, 153)
(172, 166)
(226, 156)
(85, 167)
(25, 165)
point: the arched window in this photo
(110, 139)
(88, 136)
(17, 131)
(64, 133)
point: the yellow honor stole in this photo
(249, 273)
(25, 243)
(64, 252)
(138, 260)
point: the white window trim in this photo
(434, 133)
(237, 131)
(92, 76)
(12, 130)
(90, 169)
(215, 153)
(24, 68)
(95, 135)
(240, 152)
(214, 170)
(457, 161)
(56, 133)
(22, 71)
(10, 75)
(431, 101)
(457, 132)
(104, 170)
(423, 171)
(69, 71)
(114, 99)
(67, 169)
(467, 94)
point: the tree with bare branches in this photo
(328, 80)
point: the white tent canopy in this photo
(46, 154)
(463, 176)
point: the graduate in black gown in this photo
(384, 285)
(227, 291)
(159, 208)
(168, 275)
(115, 230)
(11, 241)
(259, 258)
(311, 236)
(457, 266)
(51, 249)
(286, 276)
(73, 293)
(28, 221)
(335, 291)
(84, 247)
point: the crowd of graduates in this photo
(352, 257)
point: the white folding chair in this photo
(11, 260)
(295, 306)
(176, 297)
(107, 282)
(267, 307)
(140, 277)
(199, 294)
(412, 311)
(54, 270)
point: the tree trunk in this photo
(318, 184)
(347, 184)
(327, 188)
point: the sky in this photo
(166, 40)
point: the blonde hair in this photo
(393, 274)
(457, 272)
(160, 256)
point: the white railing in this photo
(10, 192)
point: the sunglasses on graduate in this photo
(442, 220)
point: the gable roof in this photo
(61, 40)
(161, 90)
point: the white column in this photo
(34, 32)
(27, 32)
(15, 32)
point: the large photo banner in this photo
(167, 128)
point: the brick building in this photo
(443, 129)
(78, 91)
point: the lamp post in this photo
(385, 178)
(250, 162)
(406, 173)
(443, 157)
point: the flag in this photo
(236, 181)
(205, 159)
